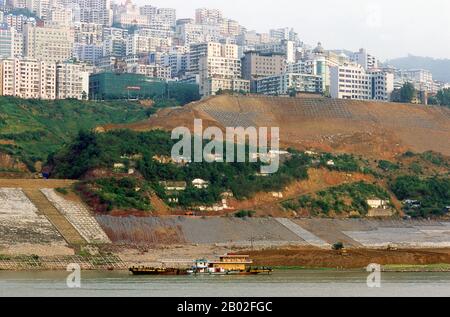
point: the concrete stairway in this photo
(45, 208)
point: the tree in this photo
(443, 97)
(292, 91)
(432, 100)
(407, 93)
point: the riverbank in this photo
(313, 258)
(281, 258)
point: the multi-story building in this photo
(114, 42)
(167, 15)
(72, 81)
(50, 44)
(88, 33)
(421, 79)
(18, 21)
(256, 65)
(95, 11)
(351, 81)
(382, 84)
(283, 34)
(190, 33)
(151, 70)
(218, 67)
(178, 63)
(89, 53)
(129, 14)
(141, 44)
(62, 16)
(285, 83)
(28, 78)
(364, 59)
(210, 49)
(285, 47)
(11, 43)
(208, 16)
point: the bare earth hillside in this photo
(373, 129)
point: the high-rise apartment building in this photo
(11, 43)
(208, 16)
(218, 66)
(50, 44)
(28, 78)
(72, 81)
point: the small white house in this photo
(330, 163)
(200, 183)
(378, 203)
(277, 194)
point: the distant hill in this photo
(439, 67)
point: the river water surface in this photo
(281, 283)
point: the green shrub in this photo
(245, 214)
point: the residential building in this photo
(28, 78)
(284, 83)
(50, 44)
(285, 47)
(218, 66)
(208, 16)
(95, 11)
(364, 59)
(257, 65)
(351, 81)
(421, 79)
(11, 43)
(72, 81)
(128, 14)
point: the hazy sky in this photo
(387, 28)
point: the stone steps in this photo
(64, 227)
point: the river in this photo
(281, 283)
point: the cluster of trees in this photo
(346, 198)
(433, 194)
(408, 93)
(442, 98)
(109, 193)
(91, 150)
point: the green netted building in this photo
(109, 86)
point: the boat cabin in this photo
(231, 262)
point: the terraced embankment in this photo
(34, 220)
(46, 208)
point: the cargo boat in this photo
(229, 264)
(157, 271)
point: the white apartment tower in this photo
(351, 81)
(364, 59)
(50, 44)
(218, 66)
(208, 16)
(28, 79)
(72, 81)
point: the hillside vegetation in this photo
(32, 129)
